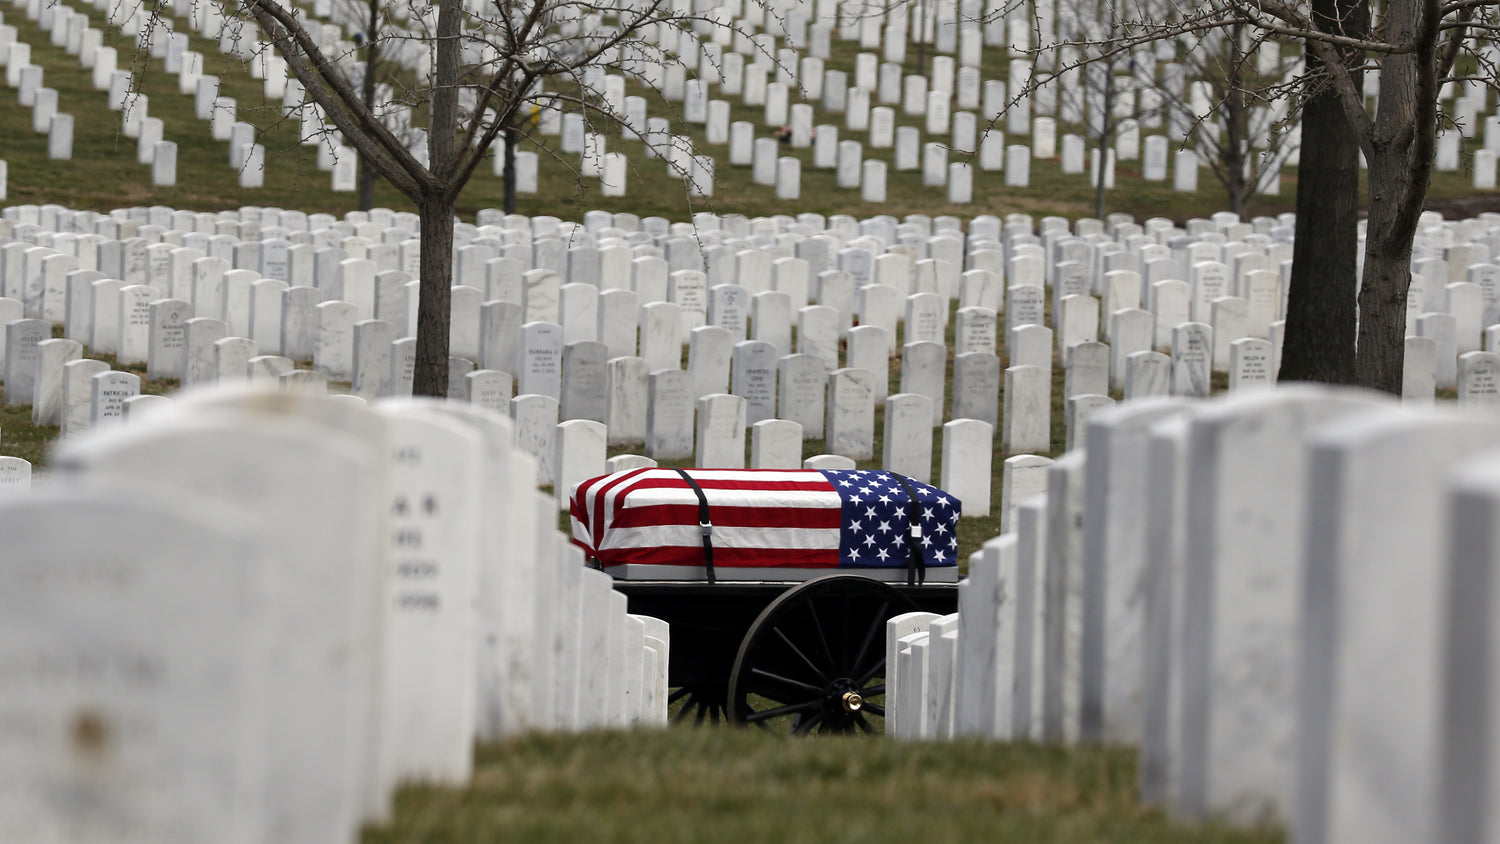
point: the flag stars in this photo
(885, 527)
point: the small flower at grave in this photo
(784, 134)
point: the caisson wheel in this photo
(814, 660)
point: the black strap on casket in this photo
(705, 525)
(916, 564)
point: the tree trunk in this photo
(1320, 321)
(1404, 139)
(367, 92)
(509, 172)
(430, 376)
(436, 207)
(1382, 300)
(1234, 148)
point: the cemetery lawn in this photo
(729, 785)
(104, 173)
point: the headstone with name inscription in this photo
(1250, 364)
(540, 362)
(490, 389)
(1192, 359)
(167, 355)
(753, 378)
(22, 357)
(134, 320)
(110, 390)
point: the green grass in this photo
(104, 174)
(727, 785)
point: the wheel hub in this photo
(843, 698)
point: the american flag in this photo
(799, 518)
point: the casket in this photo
(765, 524)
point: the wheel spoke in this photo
(873, 709)
(833, 666)
(818, 674)
(679, 694)
(877, 668)
(702, 711)
(863, 724)
(872, 691)
(789, 709)
(802, 727)
(864, 647)
(786, 681)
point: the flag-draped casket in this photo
(646, 523)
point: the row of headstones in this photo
(303, 251)
(1214, 583)
(745, 71)
(292, 604)
(70, 30)
(44, 280)
(281, 308)
(1464, 300)
(592, 384)
(960, 81)
(26, 79)
(715, 67)
(784, 171)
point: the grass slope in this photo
(727, 785)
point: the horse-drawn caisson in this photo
(777, 583)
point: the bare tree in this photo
(1414, 46)
(1216, 96)
(471, 71)
(1242, 135)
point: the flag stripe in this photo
(673, 555)
(744, 517)
(749, 539)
